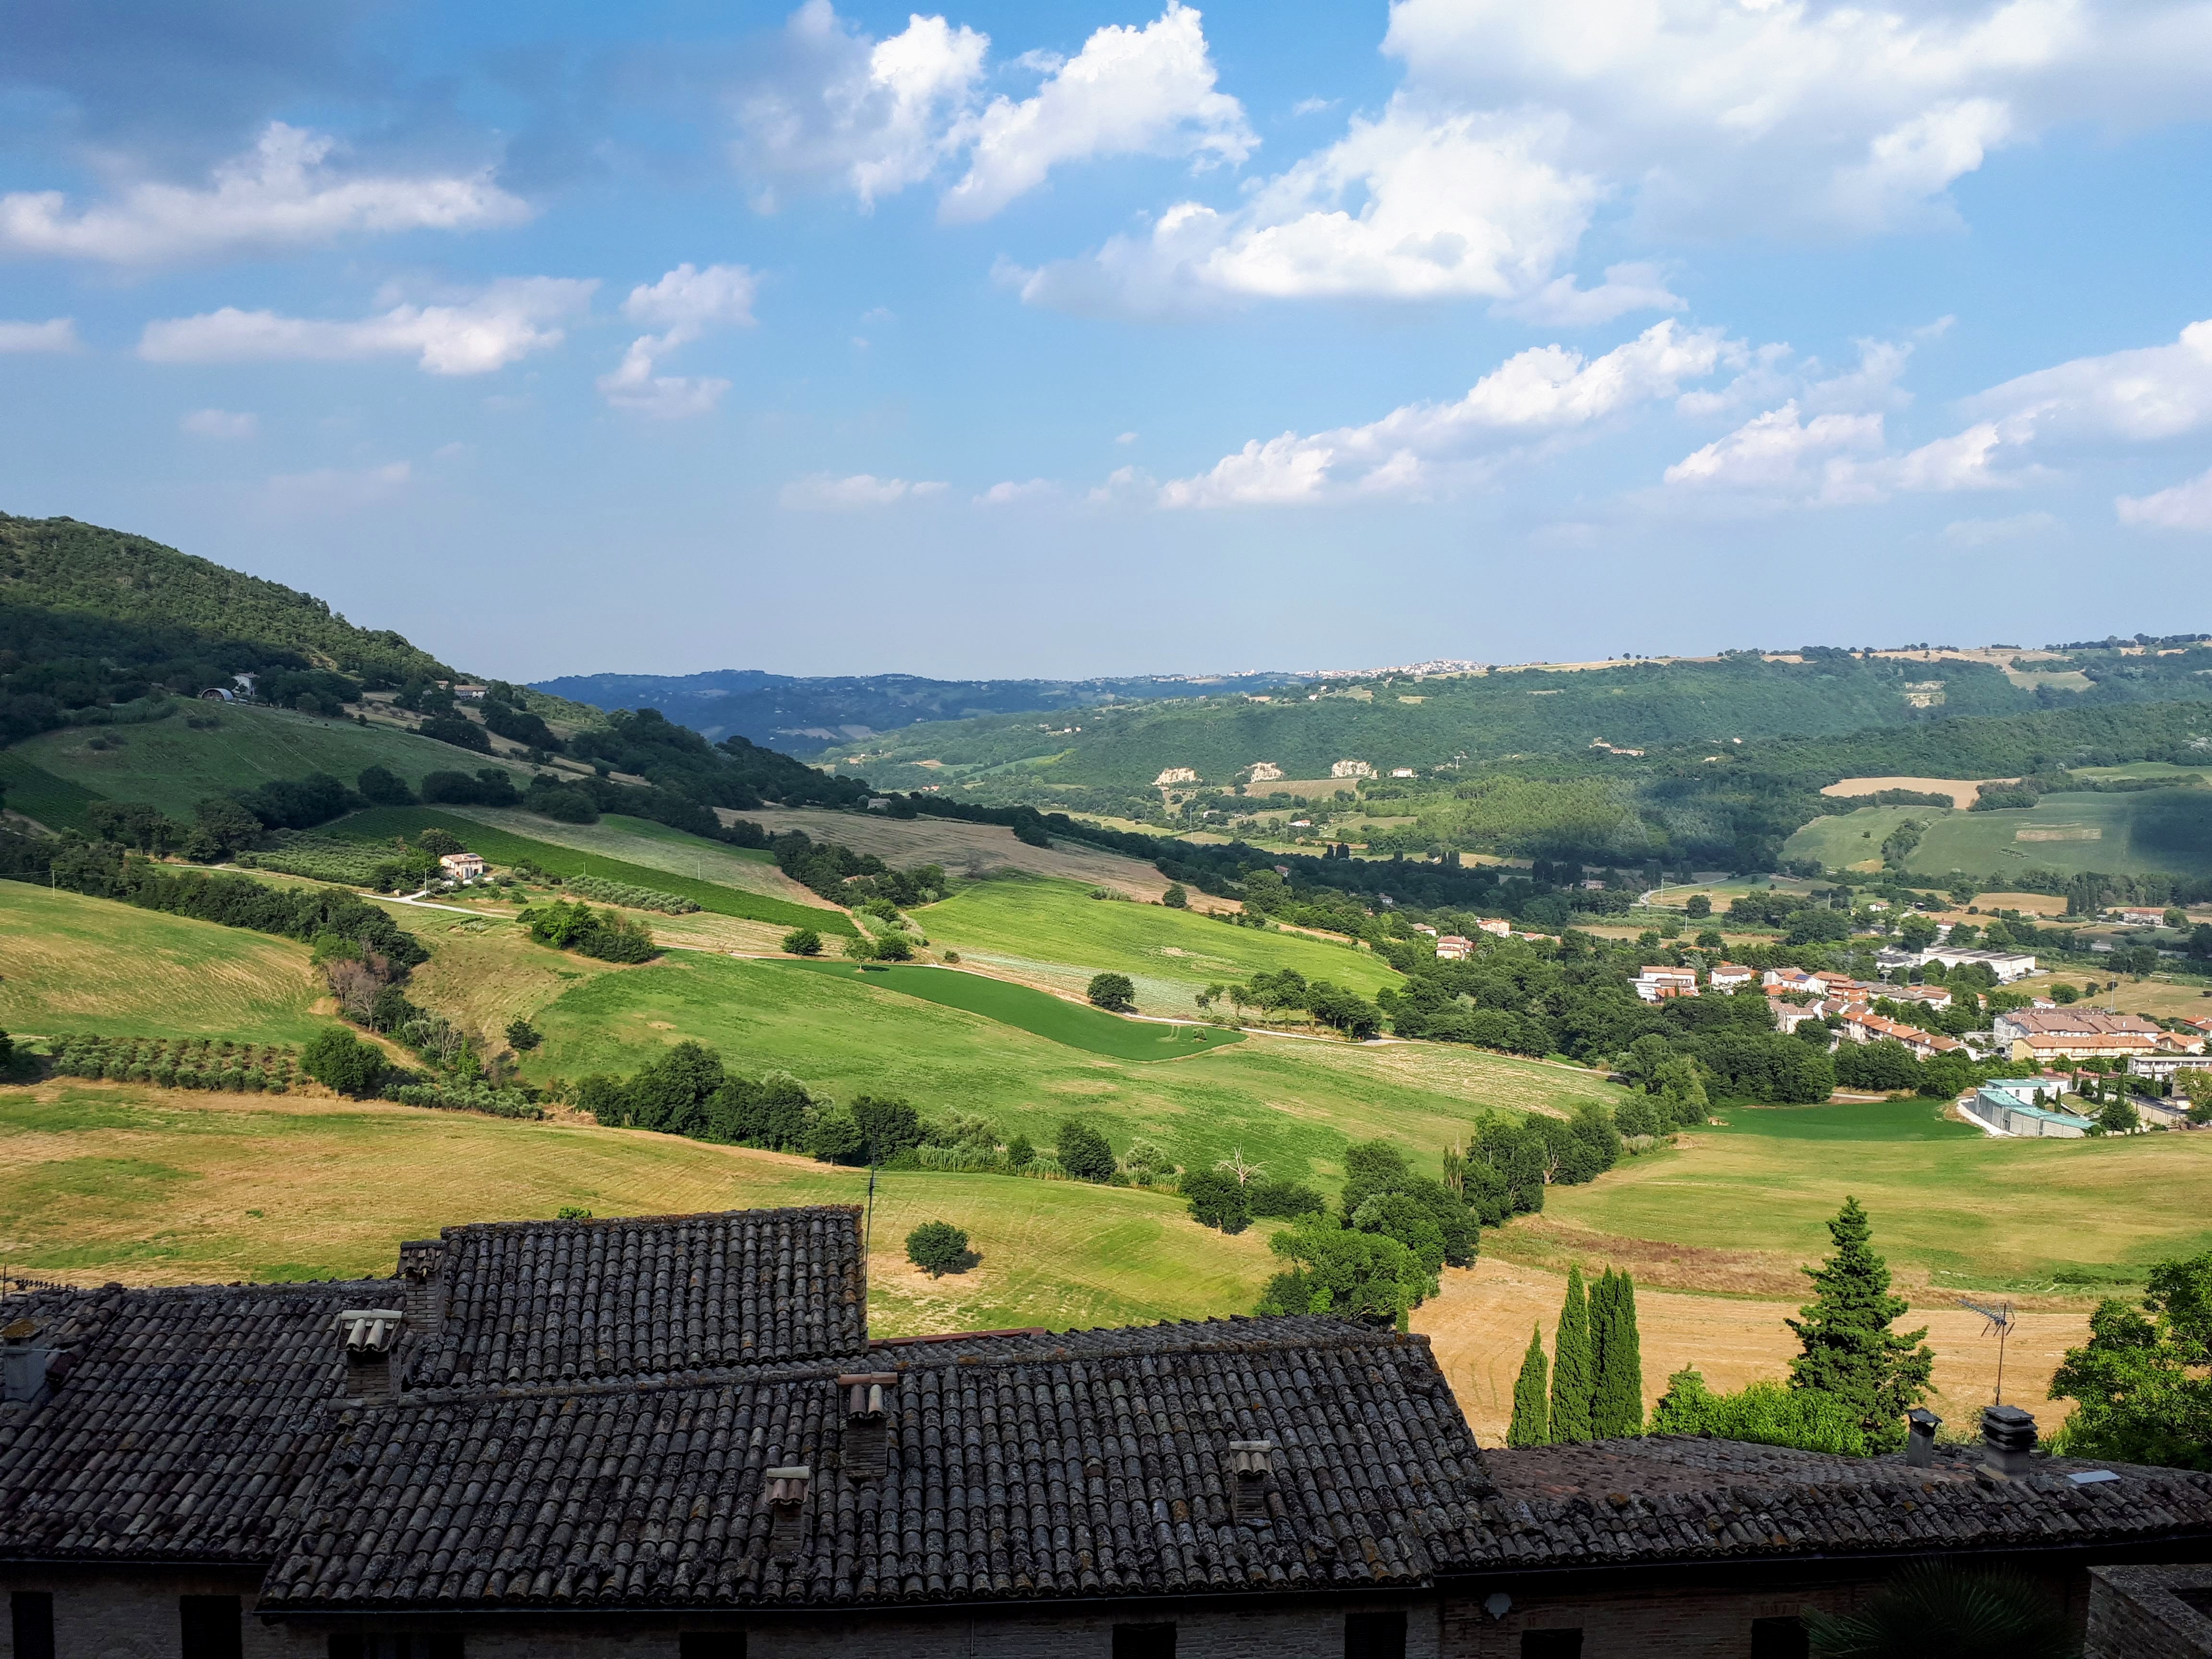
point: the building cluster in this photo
(674, 1437)
(2081, 1032)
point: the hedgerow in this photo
(468, 1097)
(634, 898)
(180, 1062)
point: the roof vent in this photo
(1920, 1426)
(2008, 1437)
(23, 1362)
(1251, 1461)
(787, 1503)
(867, 1451)
(369, 1335)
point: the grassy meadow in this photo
(1055, 933)
(41, 795)
(652, 846)
(2155, 831)
(73, 963)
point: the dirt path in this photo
(1479, 1327)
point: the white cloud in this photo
(335, 489)
(1126, 438)
(1989, 532)
(2185, 507)
(1011, 493)
(685, 303)
(879, 116)
(56, 334)
(1769, 451)
(1146, 91)
(825, 492)
(282, 193)
(220, 423)
(506, 321)
(2138, 396)
(1423, 448)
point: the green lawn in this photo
(1056, 931)
(1293, 1104)
(1026, 1009)
(2156, 831)
(173, 767)
(1944, 1198)
(73, 963)
(37, 794)
(502, 846)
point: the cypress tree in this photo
(1850, 1351)
(1616, 1395)
(1571, 1365)
(1531, 1424)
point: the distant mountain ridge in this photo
(809, 714)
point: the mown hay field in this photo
(2154, 832)
(966, 849)
(652, 846)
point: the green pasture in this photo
(502, 846)
(112, 1181)
(170, 765)
(1291, 1104)
(1056, 931)
(1848, 838)
(1945, 1198)
(1027, 1009)
(2154, 832)
(645, 844)
(72, 964)
(2141, 770)
(38, 793)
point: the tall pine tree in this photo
(1617, 1359)
(1572, 1373)
(1531, 1424)
(1850, 1351)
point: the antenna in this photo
(1997, 1322)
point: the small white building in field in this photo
(462, 867)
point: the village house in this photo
(1455, 947)
(1729, 976)
(1496, 925)
(2142, 917)
(1424, 927)
(1862, 1026)
(1932, 996)
(1654, 983)
(674, 1437)
(2045, 1035)
(461, 868)
(2009, 1107)
(1791, 980)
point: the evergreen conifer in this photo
(1571, 1374)
(1531, 1424)
(1617, 1359)
(1850, 1351)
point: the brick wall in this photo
(126, 1615)
(2134, 1614)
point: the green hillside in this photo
(2155, 832)
(39, 796)
(59, 564)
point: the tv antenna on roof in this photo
(1997, 1322)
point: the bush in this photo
(802, 942)
(835, 1137)
(381, 786)
(1177, 897)
(938, 1248)
(589, 933)
(341, 1061)
(1765, 1413)
(1083, 1154)
(1114, 993)
(522, 1036)
(1289, 1200)
(1216, 1199)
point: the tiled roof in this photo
(1619, 1502)
(1017, 1466)
(183, 1422)
(526, 1302)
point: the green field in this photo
(1291, 1104)
(40, 794)
(504, 847)
(170, 765)
(648, 845)
(1026, 1009)
(73, 963)
(1056, 933)
(101, 1180)
(1946, 1200)
(2156, 831)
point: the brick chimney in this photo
(423, 1271)
(369, 1334)
(1251, 1461)
(23, 1362)
(1920, 1426)
(866, 1453)
(787, 1503)
(2008, 1437)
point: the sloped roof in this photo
(1018, 1467)
(184, 1422)
(528, 1301)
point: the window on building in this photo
(1551, 1644)
(31, 1617)
(1144, 1641)
(711, 1644)
(210, 1626)
(1779, 1638)
(1374, 1636)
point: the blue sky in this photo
(1069, 338)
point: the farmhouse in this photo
(1455, 947)
(673, 1437)
(2142, 917)
(1728, 976)
(1496, 925)
(462, 867)
(1654, 983)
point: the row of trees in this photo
(1595, 1378)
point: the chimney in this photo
(867, 1453)
(369, 1335)
(423, 1271)
(1251, 1461)
(787, 1503)
(23, 1362)
(2008, 1437)
(1920, 1426)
